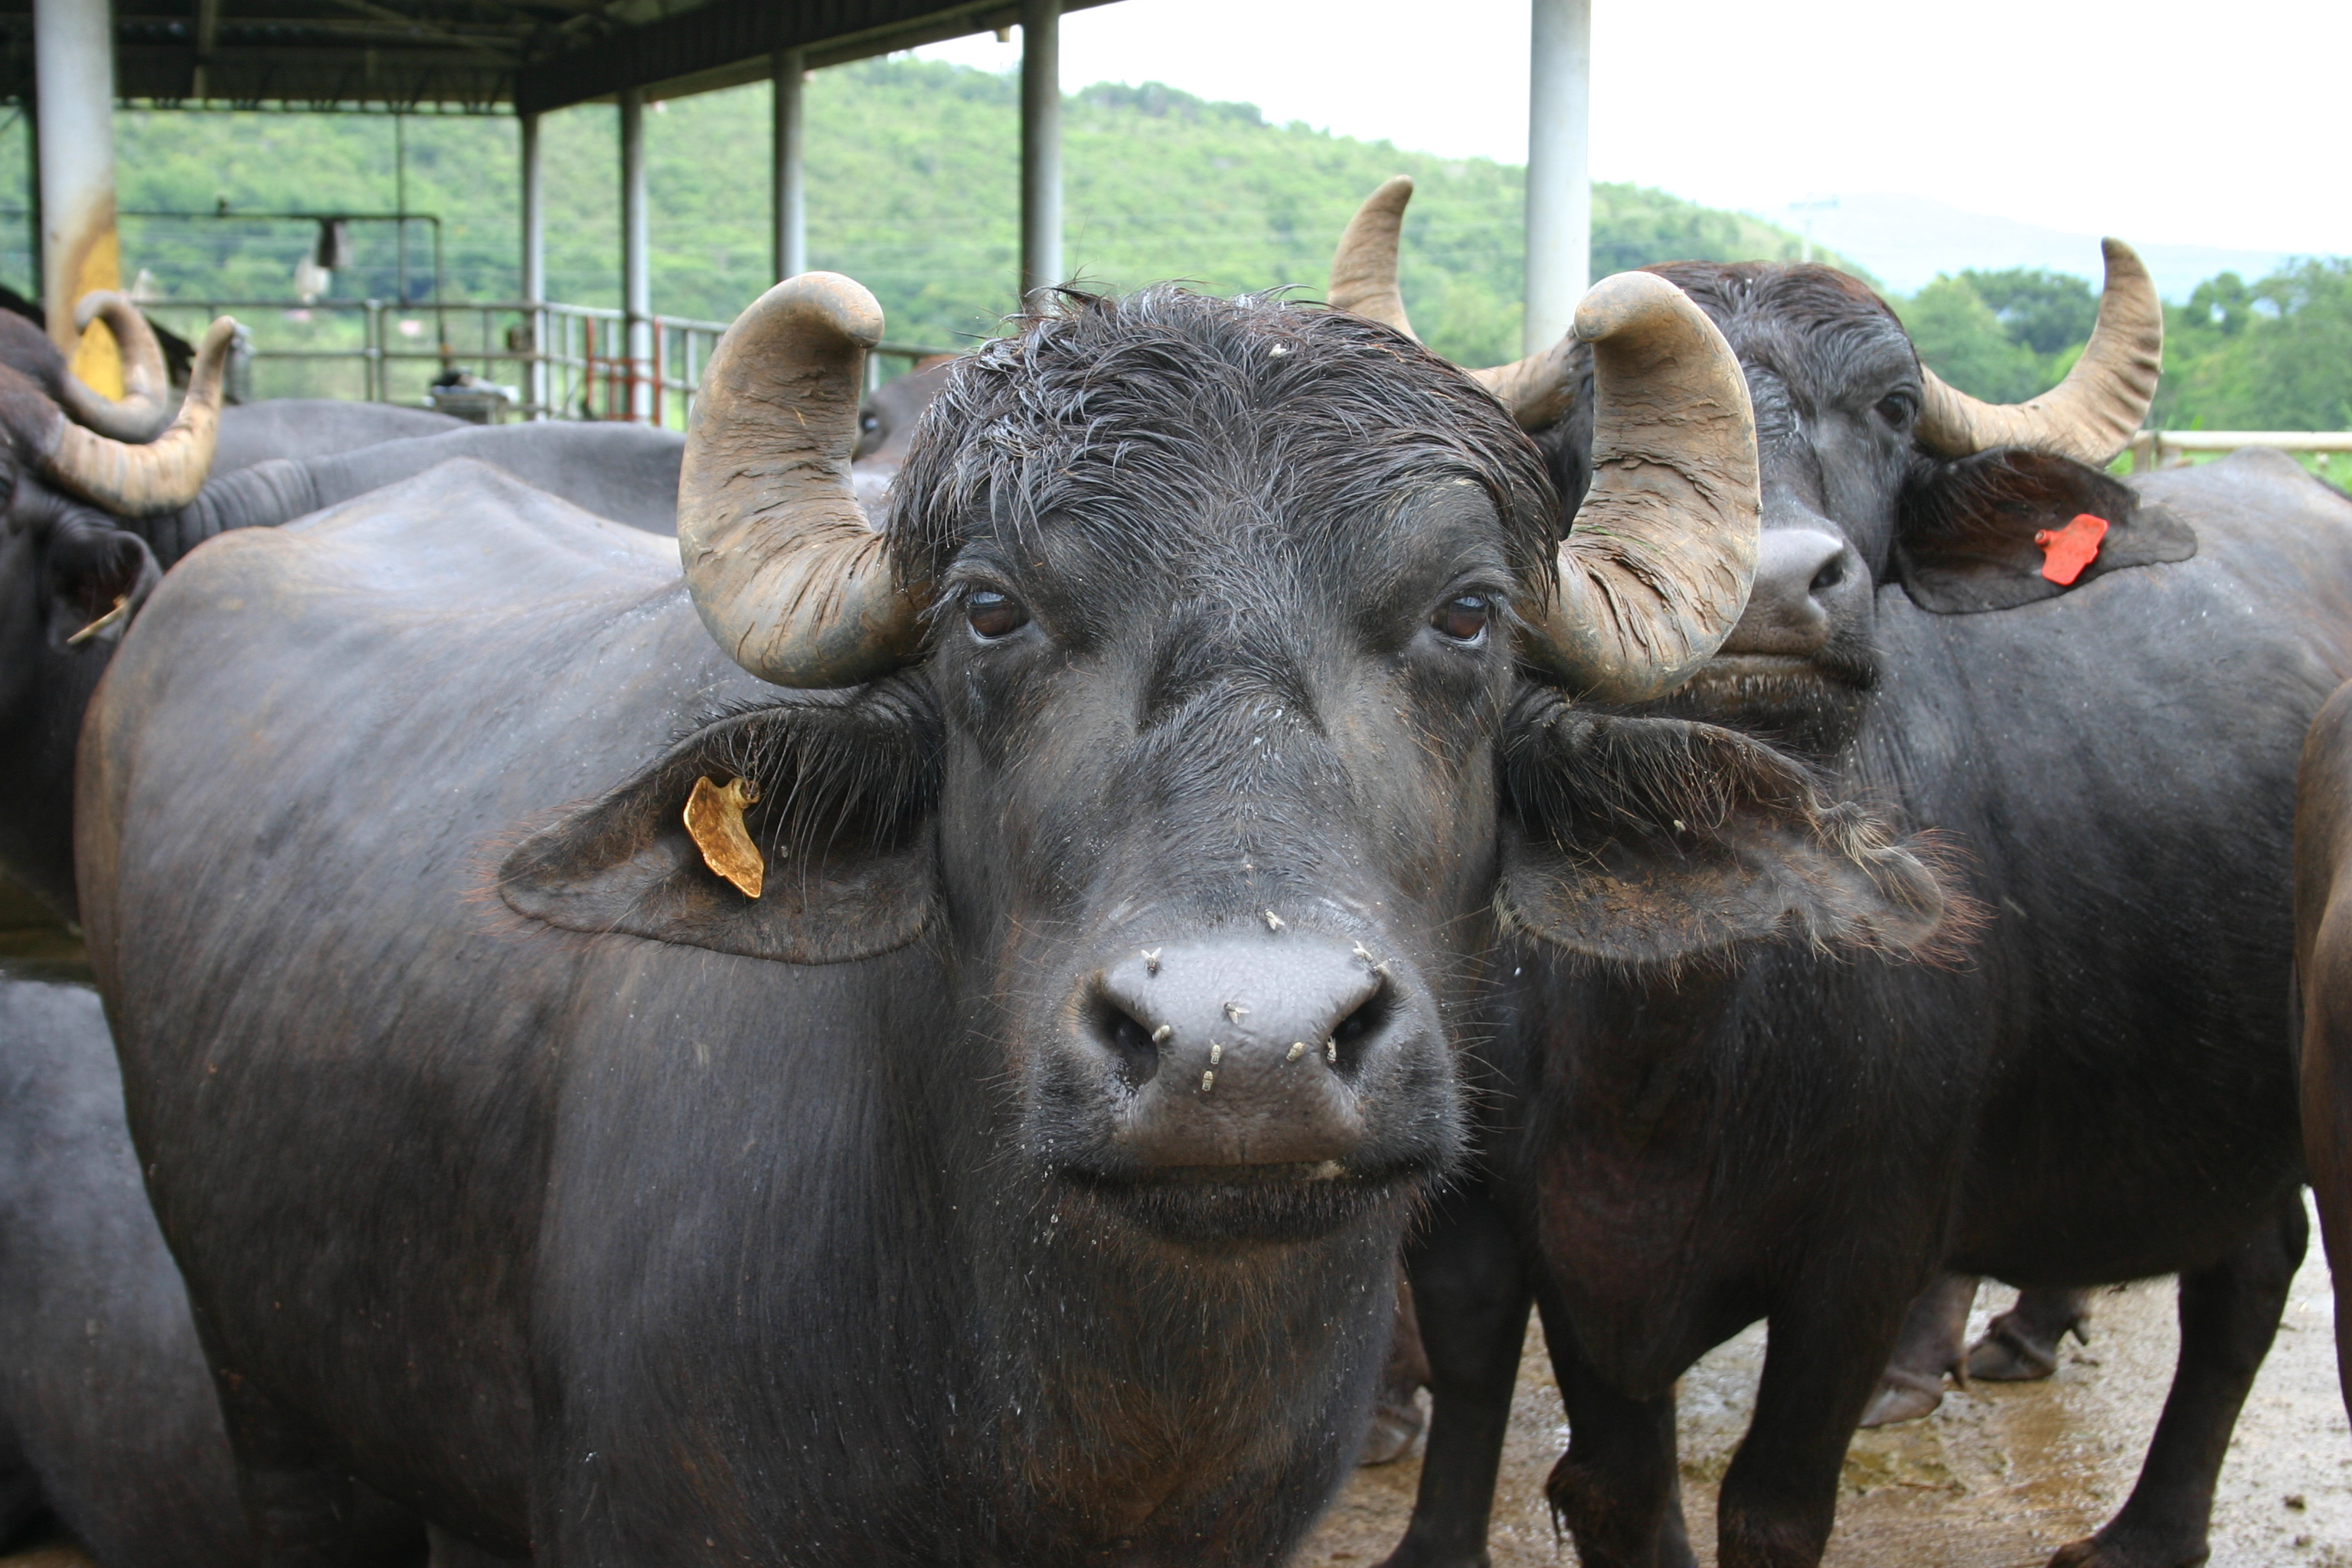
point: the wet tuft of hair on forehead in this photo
(1106, 414)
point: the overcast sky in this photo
(2218, 124)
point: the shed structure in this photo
(71, 61)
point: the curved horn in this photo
(165, 474)
(1535, 389)
(1364, 268)
(788, 575)
(1364, 280)
(1656, 568)
(145, 406)
(2089, 417)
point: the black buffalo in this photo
(254, 433)
(65, 562)
(2323, 952)
(72, 573)
(885, 425)
(107, 1420)
(1018, 1176)
(2107, 740)
(115, 1432)
(108, 1426)
(107, 1417)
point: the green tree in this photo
(2272, 355)
(2047, 311)
(1961, 340)
(913, 189)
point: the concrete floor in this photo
(1999, 1478)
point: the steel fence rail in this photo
(2171, 448)
(567, 361)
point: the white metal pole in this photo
(1559, 181)
(791, 205)
(73, 64)
(1041, 145)
(637, 255)
(534, 264)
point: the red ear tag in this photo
(2066, 550)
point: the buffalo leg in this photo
(2021, 1345)
(1933, 1337)
(1470, 1294)
(2325, 985)
(1396, 1414)
(1821, 1363)
(302, 1504)
(1617, 1490)
(20, 1489)
(2229, 1314)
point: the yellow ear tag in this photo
(714, 817)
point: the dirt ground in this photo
(1999, 1478)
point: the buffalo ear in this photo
(1636, 840)
(1965, 536)
(843, 822)
(98, 576)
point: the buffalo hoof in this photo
(2017, 1350)
(1903, 1396)
(2102, 1551)
(1409, 1556)
(1396, 1426)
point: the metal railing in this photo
(2173, 449)
(564, 361)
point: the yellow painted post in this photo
(73, 61)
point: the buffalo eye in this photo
(1463, 617)
(994, 615)
(1898, 408)
(869, 422)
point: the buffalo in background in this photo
(108, 1426)
(254, 433)
(2095, 691)
(108, 1422)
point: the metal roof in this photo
(478, 56)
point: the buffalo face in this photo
(74, 466)
(1228, 806)
(1836, 390)
(71, 578)
(1216, 691)
(1188, 777)
(1863, 491)
(886, 426)
(1169, 705)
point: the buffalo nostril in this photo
(1134, 1047)
(1345, 1048)
(1829, 575)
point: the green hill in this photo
(913, 189)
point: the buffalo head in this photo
(1874, 471)
(75, 469)
(886, 426)
(1171, 709)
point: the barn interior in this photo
(66, 65)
